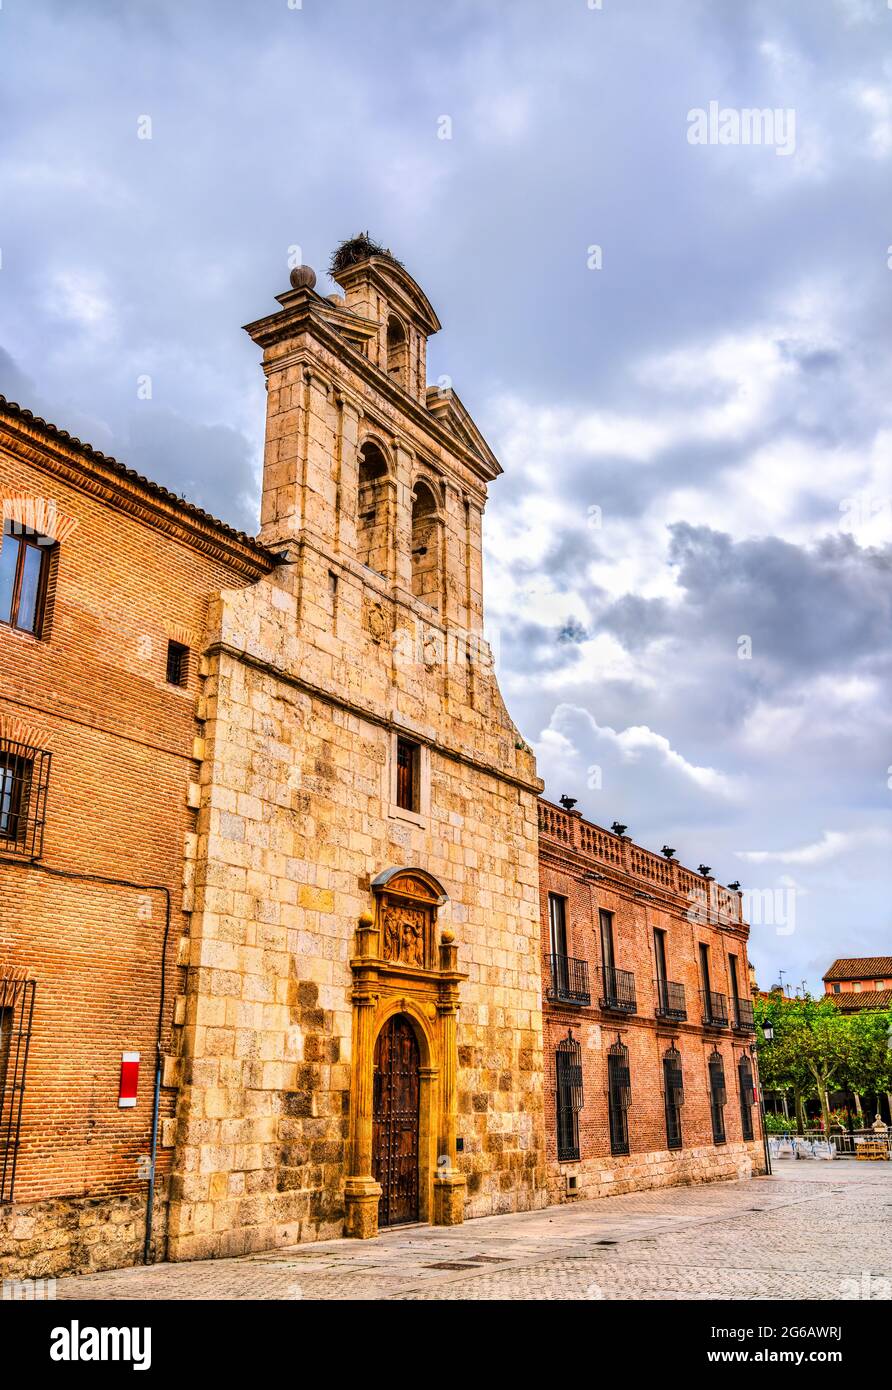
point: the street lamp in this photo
(768, 1035)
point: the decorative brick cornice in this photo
(58, 454)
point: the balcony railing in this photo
(715, 1009)
(744, 1021)
(569, 980)
(670, 1000)
(616, 990)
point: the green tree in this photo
(868, 1066)
(814, 1047)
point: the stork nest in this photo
(357, 249)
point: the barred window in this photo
(568, 1073)
(177, 664)
(747, 1094)
(16, 1012)
(24, 774)
(619, 1097)
(24, 577)
(718, 1096)
(673, 1096)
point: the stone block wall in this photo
(296, 821)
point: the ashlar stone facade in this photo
(353, 726)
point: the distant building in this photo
(864, 982)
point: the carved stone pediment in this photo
(407, 904)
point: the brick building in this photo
(648, 1018)
(266, 823)
(855, 983)
(104, 585)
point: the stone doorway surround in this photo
(404, 963)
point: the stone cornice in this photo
(371, 716)
(302, 313)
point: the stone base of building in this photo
(611, 1175)
(78, 1235)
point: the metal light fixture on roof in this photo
(735, 886)
(668, 852)
(704, 869)
(568, 802)
(618, 828)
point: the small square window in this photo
(407, 775)
(177, 663)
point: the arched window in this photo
(397, 352)
(425, 544)
(371, 511)
(619, 1096)
(673, 1095)
(718, 1095)
(568, 1100)
(747, 1094)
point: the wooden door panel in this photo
(395, 1122)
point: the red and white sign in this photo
(129, 1078)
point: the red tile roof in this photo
(860, 968)
(852, 1002)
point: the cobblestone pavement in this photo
(812, 1231)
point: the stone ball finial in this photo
(366, 919)
(303, 277)
(447, 936)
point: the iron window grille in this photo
(619, 1097)
(568, 1075)
(25, 558)
(16, 1014)
(747, 1095)
(671, 1000)
(718, 1096)
(617, 990)
(177, 664)
(673, 1096)
(569, 980)
(24, 776)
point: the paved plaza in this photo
(814, 1230)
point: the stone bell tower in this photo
(363, 1040)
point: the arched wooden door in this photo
(395, 1121)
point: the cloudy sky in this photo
(680, 352)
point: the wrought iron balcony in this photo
(616, 990)
(670, 1000)
(744, 1021)
(569, 980)
(715, 1009)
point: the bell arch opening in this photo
(372, 524)
(426, 530)
(397, 352)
